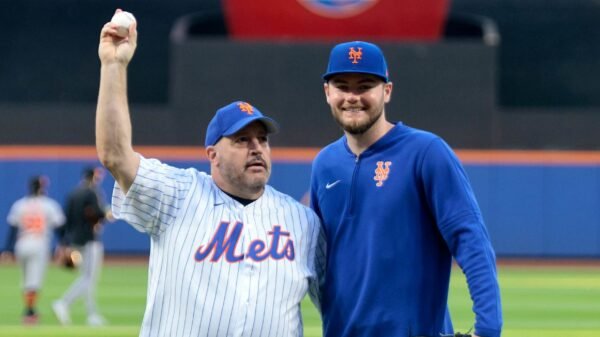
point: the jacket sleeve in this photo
(315, 290)
(452, 202)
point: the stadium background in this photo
(507, 75)
(512, 85)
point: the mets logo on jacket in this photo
(382, 172)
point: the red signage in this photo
(326, 19)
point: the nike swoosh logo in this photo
(330, 185)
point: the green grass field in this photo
(538, 301)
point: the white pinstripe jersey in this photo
(218, 268)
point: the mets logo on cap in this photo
(246, 107)
(337, 8)
(355, 54)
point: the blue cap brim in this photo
(269, 123)
(327, 76)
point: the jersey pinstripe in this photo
(218, 268)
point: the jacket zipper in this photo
(352, 186)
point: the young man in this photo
(396, 206)
(33, 219)
(230, 255)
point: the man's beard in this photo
(245, 183)
(357, 128)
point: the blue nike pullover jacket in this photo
(393, 218)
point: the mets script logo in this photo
(247, 108)
(224, 242)
(381, 172)
(337, 8)
(355, 55)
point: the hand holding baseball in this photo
(118, 39)
(123, 20)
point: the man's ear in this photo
(387, 92)
(211, 153)
(326, 90)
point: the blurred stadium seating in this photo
(544, 68)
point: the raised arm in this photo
(113, 124)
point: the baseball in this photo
(123, 20)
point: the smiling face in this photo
(241, 163)
(357, 101)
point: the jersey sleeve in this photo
(55, 214)
(155, 197)
(14, 214)
(453, 204)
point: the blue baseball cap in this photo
(357, 57)
(234, 117)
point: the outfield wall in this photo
(535, 203)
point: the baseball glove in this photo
(67, 261)
(68, 258)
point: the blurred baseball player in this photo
(230, 255)
(85, 212)
(396, 202)
(33, 219)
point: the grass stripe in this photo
(543, 301)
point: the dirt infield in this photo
(116, 260)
